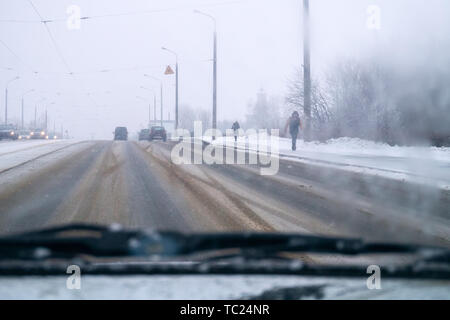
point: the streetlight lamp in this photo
(161, 94)
(29, 91)
(154, 103)
(6, 98)
(176, 84)
(214, 118)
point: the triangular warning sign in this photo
(168, 70)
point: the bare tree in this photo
(321, 115)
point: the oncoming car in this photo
(8, 131)
(24, 135)
(38, 134)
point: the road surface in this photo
(137, 185)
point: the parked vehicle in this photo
(121, 133)
(8, 131)
(157, 132)
(144, 134)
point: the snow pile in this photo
(345, 146)
(430, 163)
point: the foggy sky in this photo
(259, 46)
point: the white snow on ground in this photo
(14, 153)
(11, 146)
(430, 163)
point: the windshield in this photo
(322, 118)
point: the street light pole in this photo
(176, 85)
(149, 105)
(306, 71)
(160, 96)
(35, 112)
(23, 105)
(6, 98)
(214, 113)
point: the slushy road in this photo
(137, 185)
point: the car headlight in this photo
(11, 133)
(31, 133)
(42, 133)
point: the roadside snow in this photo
(14, 153)
(7, 146)
(429, 163)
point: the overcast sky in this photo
(259, 46)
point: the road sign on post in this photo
(168, 70)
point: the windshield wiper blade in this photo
(100, 241)
(257, 253)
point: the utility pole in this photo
(6, 105)
(176, 95)
(214, 124)
(161, 100)
(6, 98)
(160, 95)
(23, 106)
(149, 114)
(176, 85)
(154, 107)
(306, 70)
(214, 111)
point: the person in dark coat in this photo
(235, 128)
(294, 123)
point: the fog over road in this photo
(136, 184)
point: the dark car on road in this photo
(121, 133)
(8, 131)
(144, 134)
(157, 132)
(38, 134)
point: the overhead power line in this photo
(121, 14)
(61, 56)
(17, 56)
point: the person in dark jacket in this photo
(235, 128)
(294, 123)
